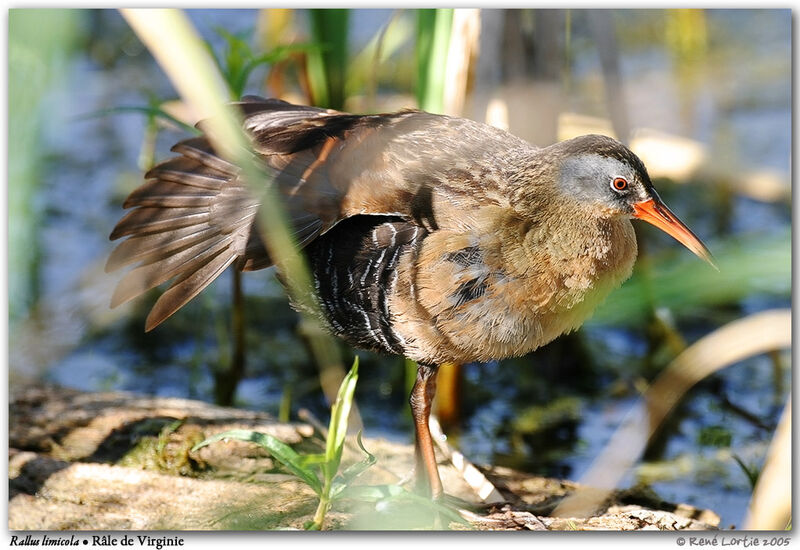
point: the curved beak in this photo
(655, 212)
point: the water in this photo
(89, 165)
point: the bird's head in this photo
(603, 176)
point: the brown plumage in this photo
(433, 237)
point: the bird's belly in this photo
(476, 302)
(503, 324)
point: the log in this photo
(117, 460)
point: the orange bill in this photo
(656, 212)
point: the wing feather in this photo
(147, 276)
(194, 216)
(186, 288)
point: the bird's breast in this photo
(504, 286)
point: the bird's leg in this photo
(420, 400)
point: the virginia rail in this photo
(433, 237)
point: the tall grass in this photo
(433, 41)
(327, 64)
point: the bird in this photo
(434, 237)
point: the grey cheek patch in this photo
(587, 177)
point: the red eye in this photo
(620, 184)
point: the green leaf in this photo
(149, 111)
(278, 449)
(313, 459)
(337, 429)
(359, 468)
(278, 54)
(352, 471)
(751, 472)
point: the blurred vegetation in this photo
(433, 39)
(752, 265)
(39, 43)
(327, 64)
(718, 77)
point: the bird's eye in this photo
(620, 184)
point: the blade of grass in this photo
(278, 54)
(433, 42)
(278, 449)
(185, 58)
(236, 56)
(334, 444)
(749, 471)
(328, 65)
(462, 46)
(353, 471)
(363, 69)
(149, 111)
(40, 43)
(337, 430)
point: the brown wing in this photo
(194, 217)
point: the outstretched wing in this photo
(194, 216)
